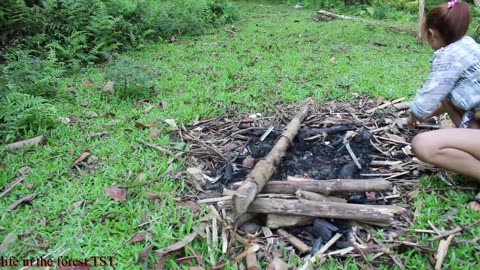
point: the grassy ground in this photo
(274, 51)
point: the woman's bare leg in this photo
(454, 149)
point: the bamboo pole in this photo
(264, 169)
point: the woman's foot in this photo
(475, 203)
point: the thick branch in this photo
(381, 214)
(327, 187)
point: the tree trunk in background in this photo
(421, 15)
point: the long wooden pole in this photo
(264, 169)
(382, 214)
(326, 187)
(338, 16)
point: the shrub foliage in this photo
(41, 40)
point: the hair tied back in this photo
(452, 3)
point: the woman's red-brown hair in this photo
(451, 23)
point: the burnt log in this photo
(265, 168)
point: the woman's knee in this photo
(423, 148)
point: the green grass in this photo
(275, 51)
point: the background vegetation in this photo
(44, 40)
(272, 52)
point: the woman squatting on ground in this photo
(453, 87)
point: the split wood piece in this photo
(319, 254)
(209, 245)
(327, 187)
(386, 104)
(393, 27)
(264, 169)
(230, 192)
(33, 141)
(224, 240)
(252, 263)
(307, 195)
(402, 106)
(297, 243)
(275, 221)
(268, 234)
(385, 162)
(442, 251)
(381, 214)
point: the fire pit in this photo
(319, 184)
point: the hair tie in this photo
(452, 3)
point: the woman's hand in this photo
(412, 121)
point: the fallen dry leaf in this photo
(144, 253)
(82, 157)
(172, 123)
(64, 120)
(474, 205)
(140, 125)
(25, 198)
(113, 122)
(2, 167)
(152, 196)
(109, 115)
(84, 103)
(116, 193)
(332, 59)
(43, 222)
(88, 82)
(29, 185)
(91, 114)
(277, 264)
(140, 236)
(186, 259)
(140, 177)
(73, 119)
(99, 134)
(162, 104)
(182, 243)
(72, 90)
(78, 203)
(154, 133)
(10, 238)
(109, 87)
(189, 204)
